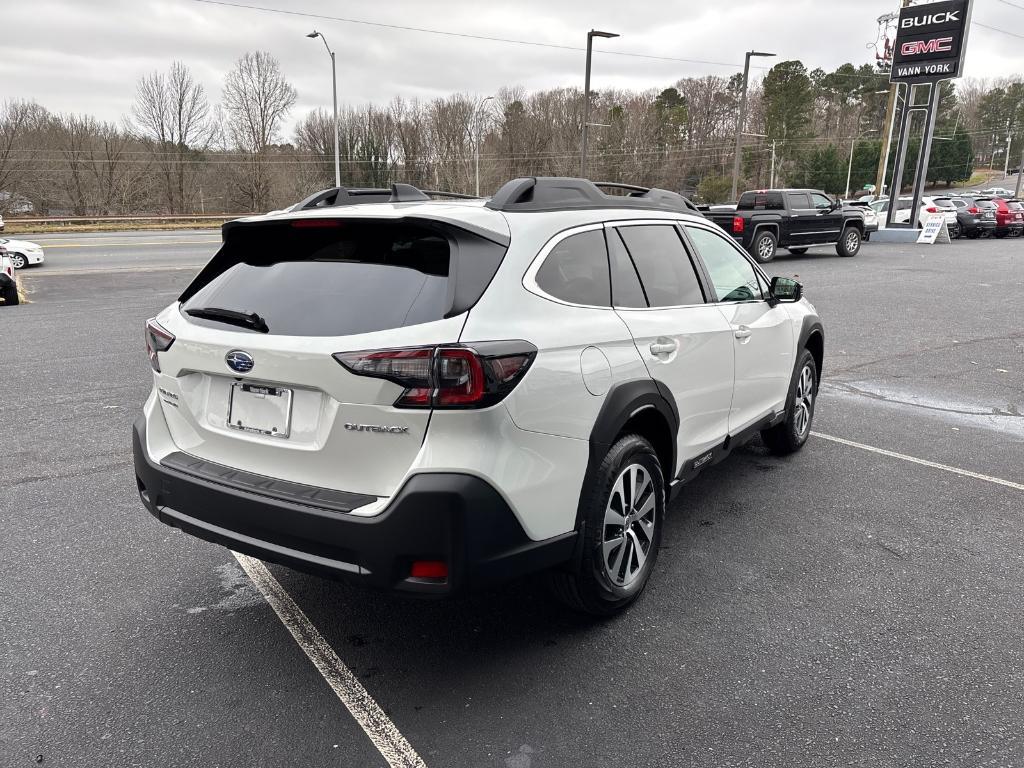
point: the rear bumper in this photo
(455, 518)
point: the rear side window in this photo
(626, 288)
(760, 201)
(344, 277)
(665, 270)
(576, 270)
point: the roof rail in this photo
(550, 193)
(398, 193)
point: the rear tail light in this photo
(973, 211)
(429, 569)
(737, 225)
(158, 339)
(474, 376)
(932, 209)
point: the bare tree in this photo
(257, 99)
(172, 114)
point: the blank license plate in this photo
(260, 409)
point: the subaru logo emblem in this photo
(239, 361)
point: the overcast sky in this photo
(87, 55)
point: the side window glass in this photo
(798, 201)
(576, 270)
(668, 276)
(732, 275)
(820, 201)
(626, 288)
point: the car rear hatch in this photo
(258, 375)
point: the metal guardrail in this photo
(115, 219)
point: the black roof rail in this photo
(550, 193)
(398, 193)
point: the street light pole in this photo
(476, 149)
(586, 98)
(849, 168)
(740, 120)
(334, 88)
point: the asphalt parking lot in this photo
(844, 606)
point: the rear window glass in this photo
(576, 270)
(760, 201)
(356, 277)
(1015, 206)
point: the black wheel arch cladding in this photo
(623, 402)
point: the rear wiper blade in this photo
(231, 317)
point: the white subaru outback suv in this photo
(428, 396)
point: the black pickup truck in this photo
(794, 219)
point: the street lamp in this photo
(586, 98)
(739, 122)
(849, 168)
(476, 150)
(334, 85)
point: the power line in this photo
(448, 33)
(996, 29)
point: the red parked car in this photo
(1009, 217)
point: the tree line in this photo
(178, 152)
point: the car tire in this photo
(790, 435)
(797, 251)
(611, 577)
(10, 295)
(849, 242)
(954, 233)
(764, 246)
(19, 260)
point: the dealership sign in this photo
(930, 42)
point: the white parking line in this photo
(391, 744)
(922, 462)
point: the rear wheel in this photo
(790, 435)
(622, 519)
(763, 247)
(849, 243)
(797, 251)
(19, 261)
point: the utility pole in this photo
(1006, 162)
(740, 120)
(771, 184)
(1020, 172)
(334, 89)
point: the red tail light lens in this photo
(429, 569)
(474, 376)
(737, 225)
(932, 209)
(973, 211)
(158, 339)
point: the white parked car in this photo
(1, 223)
(8, 282)
(23, 253)
(929, 207)
(430, 396)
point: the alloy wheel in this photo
(803, 403)
(764, 248)
(629, 523)
(852, 241)
(18, 261)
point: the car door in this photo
(685, 342)
(801, 217)
(828, 219)
(762, 335)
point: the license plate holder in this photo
(260, 409)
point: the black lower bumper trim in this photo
(456, 518)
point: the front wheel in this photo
(763, 247)
(19, 261)
(790, 435)
(622, 518)
(849, 243)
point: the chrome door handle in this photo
(742, 332)
(666, 348)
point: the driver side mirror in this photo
(785, 289)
